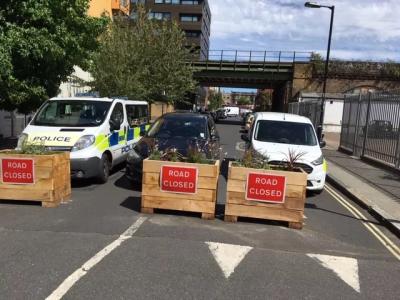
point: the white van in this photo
(273, 135)
(232, 111)
(99, 132)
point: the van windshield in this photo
(285, 133)
(72, 113)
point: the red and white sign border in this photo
(178, 166)
(17, 158)
(265, 201)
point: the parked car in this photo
(379, 128)
(174, 130)
(273, 135)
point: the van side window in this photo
(117, 114)
(137, 114)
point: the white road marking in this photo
(228, 256)
(344, 267)
(68, 283)
(386, 242)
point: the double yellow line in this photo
(386, 242)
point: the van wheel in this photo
(105, 166)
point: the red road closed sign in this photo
(17, 171)
(265, 187)
(178, 179)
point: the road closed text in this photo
(17, 171)
(178, 179)
(265, 187)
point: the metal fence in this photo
(258, 56)
(310, 109)
(371, 127)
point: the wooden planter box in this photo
(203, 201)
(292, 210)
(52, 182)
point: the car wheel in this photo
(105, 166)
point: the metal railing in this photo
(250, 61)
(258, 56)
(371, 127)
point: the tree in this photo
(263, 101)
(143, 59)
(243, 100)
(40, 43)
(216, 100)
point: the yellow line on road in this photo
(386, 242)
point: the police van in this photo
(98, 132)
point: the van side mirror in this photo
(114, 125)
(322, 144)
(245, 137)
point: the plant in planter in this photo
(257, 189)
(31, 173)
(172, 181)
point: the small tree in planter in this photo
(33, 174)
(258, 190)
(172, 181)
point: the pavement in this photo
(99, 246)
(376, 188)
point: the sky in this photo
(363, 29)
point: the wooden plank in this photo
(29, 195)
(39, 160)
(232, 219)
(295, 225)
(206, 216)
(41, 184)
(290, 202)
(293, 191)
(202, 183)
(179, 204)
(268, 213)
(240, 173)
(147, 210)
(201, 195)
(154, 166)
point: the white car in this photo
(273, 135)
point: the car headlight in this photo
(22, 139)
(84, 142)
(318, 161)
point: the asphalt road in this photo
(173, 255)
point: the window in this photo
(71, 113)
(160, 16)
(190, 2)
(183, 2)
(285, 133)
(190, 18)
(192, 33)
(179, 128)
(137, 114)
(117, 114)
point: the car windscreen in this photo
(285, 133)
(179, 128)
(72, 113)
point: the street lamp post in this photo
(332, 8)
